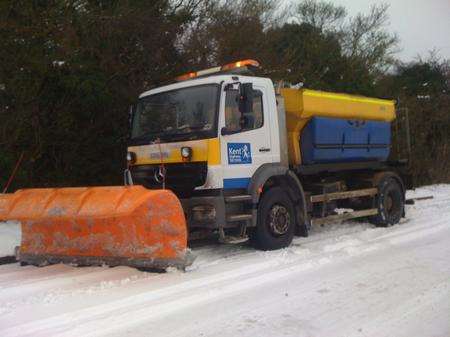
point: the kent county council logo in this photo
(239, 153)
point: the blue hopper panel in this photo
(329, 140)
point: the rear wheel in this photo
(276, 221)
(390, 203)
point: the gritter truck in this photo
(250, 159)
(226, 153)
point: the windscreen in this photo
(175, 113)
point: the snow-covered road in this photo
(348, 279)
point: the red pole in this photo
(13, 174)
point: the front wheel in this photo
(390, 203)
(276, 221)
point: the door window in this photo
(237, 121)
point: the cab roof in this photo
(211, 79)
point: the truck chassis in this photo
(303, 197)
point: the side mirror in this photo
(246, 98)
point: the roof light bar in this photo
(226, 67)
(240, 64)
(185, 77)
(208, 71)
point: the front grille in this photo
(181, 178)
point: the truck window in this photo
(184, 112)
(235, 121)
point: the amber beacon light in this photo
(225, 68)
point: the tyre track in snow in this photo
(135, 309)
(245, 269)
(29, 274)
(60, 289)
(180, 291)
(63, 282)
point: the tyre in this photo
(276, 221)
(390, 203)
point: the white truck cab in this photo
(246, 141)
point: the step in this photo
(239, 217)
(238, 198)
(233, 239)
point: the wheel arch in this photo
(382, 175)
(260, 178)
(278, 175)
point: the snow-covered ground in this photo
(9, 238)
(349, 279)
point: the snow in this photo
(349, 279)
(9, 238)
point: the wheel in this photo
(276, 221)
(390, 203)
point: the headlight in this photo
(131, 158)
(186, 152)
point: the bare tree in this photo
(366, 37)
(323, 15)
(225, 30)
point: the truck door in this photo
(249, 146)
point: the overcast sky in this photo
(422, 25)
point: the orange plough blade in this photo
(121, 225)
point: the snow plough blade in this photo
(123, 225)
